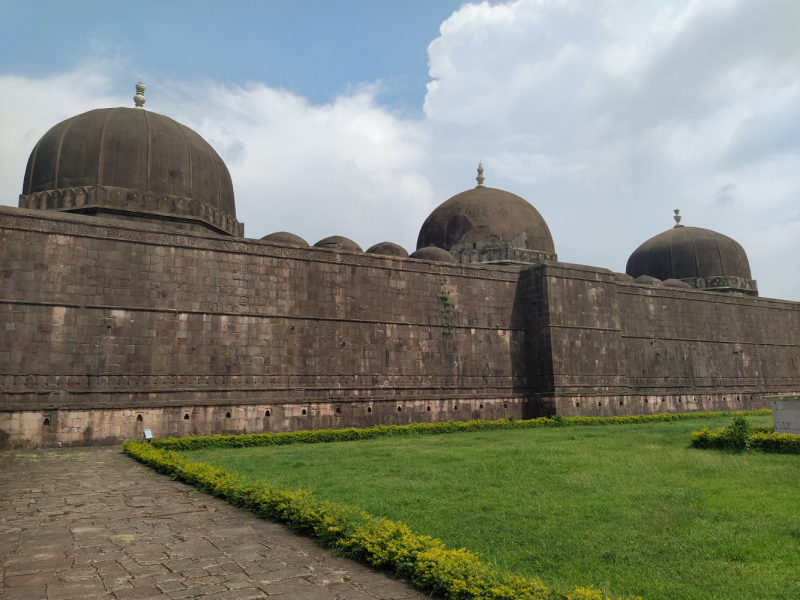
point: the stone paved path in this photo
(92, 523)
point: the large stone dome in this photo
(700, 257)
(130, 163)
(488, 225)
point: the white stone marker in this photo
(785, 413)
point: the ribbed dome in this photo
(687, 253)
(488, 225)
(480, 213)
(131, 163)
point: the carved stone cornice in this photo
(724, 283)
(501, 255)
(128, 201)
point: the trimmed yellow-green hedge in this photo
(766, 441)
(455, 574)
(353, 434)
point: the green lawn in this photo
(629, 508)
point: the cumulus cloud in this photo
(606, 116)
(725, 194)
(346, 168)
(32, 106)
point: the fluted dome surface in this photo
(487, 225)
(689, 252)
(131, 162)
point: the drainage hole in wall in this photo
(47, 421)
(429, 409)
(338, 410)
(227, 415)
(577, 405)
(139, 418)
(455, 407)
(481, 406)
(399, 408)
(599, 404)
(369, 409)
(663, 400)
(505, 405)
(186, 417)
(680, 400)
(267, 414)
(621, 402)
(645, 400)
(304, 412)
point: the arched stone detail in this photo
(148, 200)
(132, 200)
(80, 196)
(118, 198)
(69, 198)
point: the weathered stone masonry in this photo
(110, 327)
(625, 348)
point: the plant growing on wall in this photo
(447, 317)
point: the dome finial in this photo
(678, 218)
(480, 178)
(139, 98)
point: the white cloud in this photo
(606, 116)
(347, 168)
(32, 106)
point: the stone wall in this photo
(104, 321)
(107, 316)
(703, 342)
(625, 348)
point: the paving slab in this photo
(85, 523)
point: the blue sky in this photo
(359, 118)
(316, 49)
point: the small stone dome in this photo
(388, 249)
(488, 225)
(699, 257)
(433, 253)
(676, 283)
(623, 277)
(647, 280)
(285, 238)
(133, 164)
(337, 242)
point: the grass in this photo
(629, 508)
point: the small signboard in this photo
(148, 434)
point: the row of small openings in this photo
(400, 408)
(646, 401)
(268, 413)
